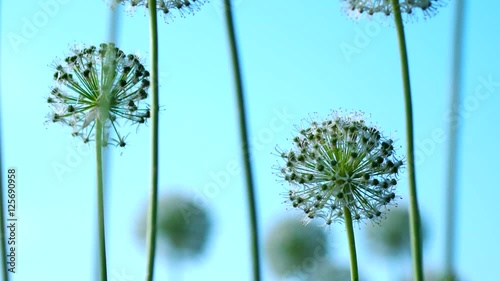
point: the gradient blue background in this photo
(292, 62)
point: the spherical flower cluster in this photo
(183, 226)
(384, 7)
(101, 84)
(337, 163)
(167, 7)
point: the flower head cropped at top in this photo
(427, 8)
(101, 84)
(167, 7)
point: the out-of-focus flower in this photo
(101, 84)
(340, 162)
(183, 226)
(410, 7)
(292, 248)
(166, 7)
(393, 236)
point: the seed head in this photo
(167, 7)
(99, 83)
(340, 162)
(428, 8)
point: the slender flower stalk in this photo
(341, 169)
(153, 200)
(416, 239)
(451, 195)
(244, 138)
(100, 203)
(352, 245)
(112, 31)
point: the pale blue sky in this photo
(293, 65)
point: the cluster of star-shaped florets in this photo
(371, 7)
(99, 84)
(340, 163)
(167, 7)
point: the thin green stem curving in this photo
(450, 203)
(352, 244)
(416, 239)
(100, 201)
(244, 138)
(153, 200)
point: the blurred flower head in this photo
(340, 163)
(392, 238)
(183, 226)
(356, 8)
(167, 7)
(99, 83)
(291, 248)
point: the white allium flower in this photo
(340, 162)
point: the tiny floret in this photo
(355, 171)
(97, 84)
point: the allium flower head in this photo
(99, 83)
(340, 162)
(384, 7)
(167, 7)
(184, 226)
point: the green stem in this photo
(113, 26)
(3, 239)
(352, 244)
(100, 201)
(416, 241)
(153, 200)
(244, 138)
(450, 210)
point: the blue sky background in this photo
(293, 65)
